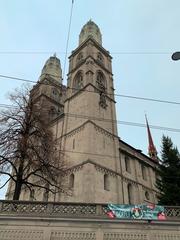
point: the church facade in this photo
(101, 167)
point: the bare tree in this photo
(28, 154)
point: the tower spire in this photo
(151, 148)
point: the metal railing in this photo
(62, 209)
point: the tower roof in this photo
(90, 29)
(151, 148)
(52, 68)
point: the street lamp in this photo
(176, 56)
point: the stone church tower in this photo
(101, 167)
(90, 129)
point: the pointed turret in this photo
(52, 68)
(90, 29)
(151, 148)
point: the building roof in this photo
(90, 29)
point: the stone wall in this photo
(54, 228)
(25, 220)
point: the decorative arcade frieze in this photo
(8, 207)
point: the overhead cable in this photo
(134, 124)
(110, 94)
(68, 36)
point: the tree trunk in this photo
(17, 191)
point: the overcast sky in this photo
(140, 35)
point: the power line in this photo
(110, 94)
(134, 124)
(62, 52)
(123, 122)
(68, 36)
(18, 79)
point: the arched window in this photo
(100, 58)
(71, 181)
(101, 81)
(106, 182)
(130, 193)
(127, 164)
(78, 81)
(31, 196)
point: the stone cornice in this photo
(138, 154)
(59, 117)
(50, 99)
(83, 90)
(96, 44)
(84, 61)
(106, 170)
(76, 130)
(51, 81)
(79, 128)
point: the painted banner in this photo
(141, 211)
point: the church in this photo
(82, 116)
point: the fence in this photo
(62, 209)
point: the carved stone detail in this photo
(21, 234)
(73, 169)
(74, 210)
(105, 171)
(127, 180)
(89, 61)
(125, 236)
(101, 130)
(165, 236)
(75, 131)
(73, 236)
(102, 100)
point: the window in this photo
(52, 112)
(78, 81)
(79, 57)
(71, 181)
(73, 143)
(46, 193)
(54, 91)
(144, 173)
(147, 196)
(55, 94)
(130, 193)
(100, 81)
(127, 164)
(106, 182)
(31, 196)
(100, 58)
